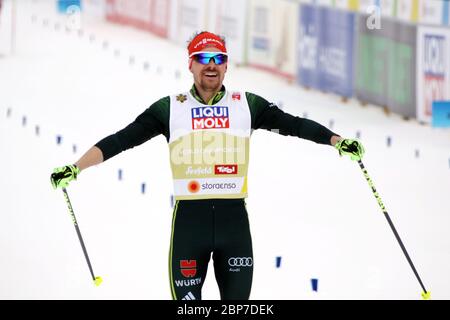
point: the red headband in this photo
(206, 39)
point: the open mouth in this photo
(211, 74)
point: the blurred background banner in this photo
(388, 7)
(228, 18)
(326, 49)
(431, 11)
(308, 74)
(95, 8)
(364, 6)
(188, 17)
(328, 3)
(63, 5)
(433, 69)
(151, 15)
(446, 13)
(347, 4)
(328, 45)
(272, 36)
(386, 65)
(407, 10)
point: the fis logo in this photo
(226, 169)
(188, 268)
(213, 117)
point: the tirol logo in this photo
(236, 96)
(188, 268)
(226, 169)
(193, 186)
(212, 117)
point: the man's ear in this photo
(190, 64)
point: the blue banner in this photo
(326, 49)
(445, 13)
(63, 5)
(441, 114)
(336, 51)
(308, 73)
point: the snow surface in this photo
(306, 204)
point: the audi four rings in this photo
(240, 262)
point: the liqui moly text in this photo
(213, 117)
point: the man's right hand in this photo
(61, 177)
(352, 148)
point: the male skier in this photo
(208, 130)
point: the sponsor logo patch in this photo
(188, 268)
(189, 296)
(198, 171)
(213, 117)
(181, 97)
(226, 169)
(188, 282)
(236, 263)
(193, 186)
(218, 186)
(240, 262)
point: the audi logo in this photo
(240, 262)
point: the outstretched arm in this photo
(149, 124)
(268, 116)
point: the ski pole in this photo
(426, 295)
(97, 280)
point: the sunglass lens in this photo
(220, 58)
(205, 58)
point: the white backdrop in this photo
(306, 205)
